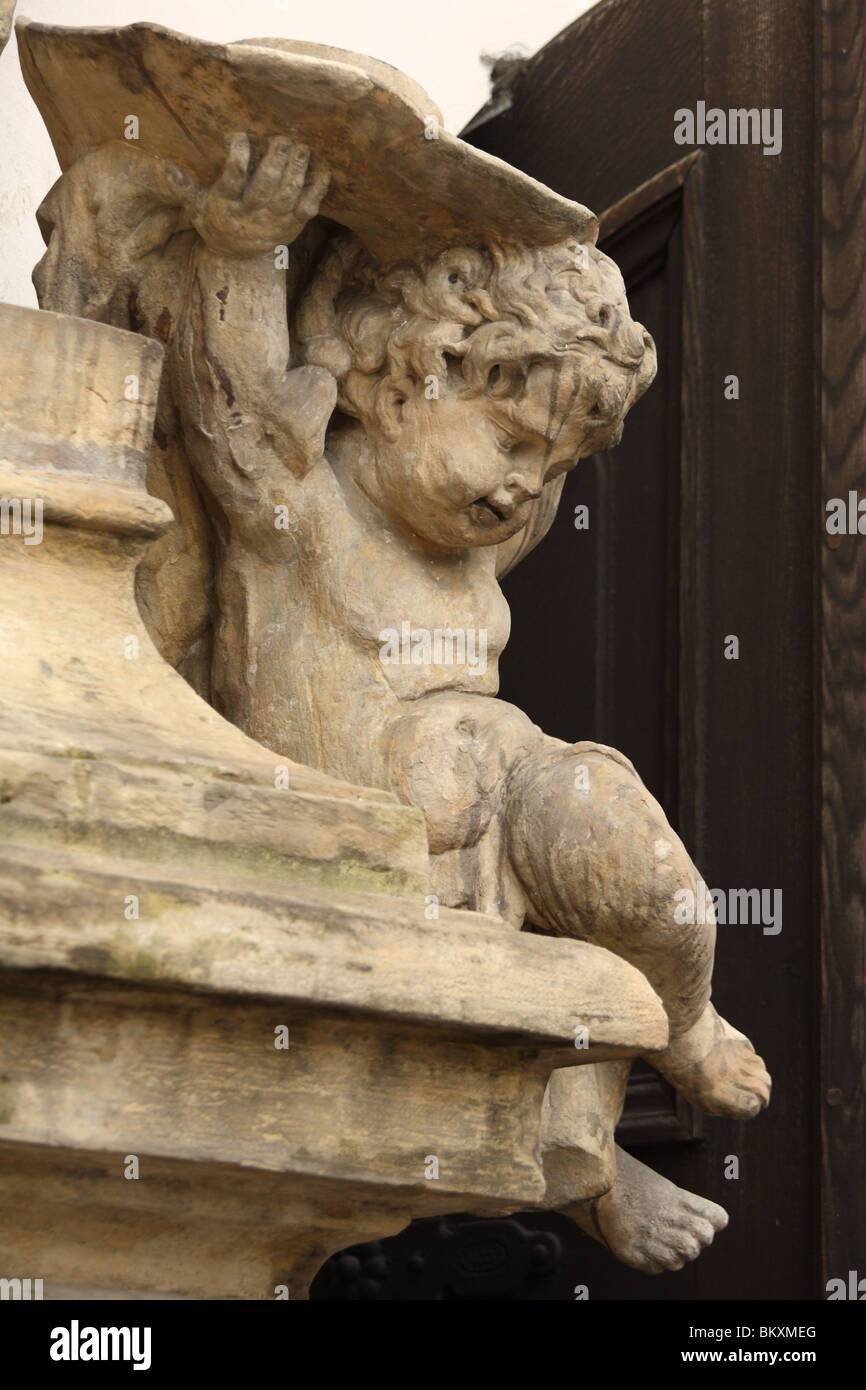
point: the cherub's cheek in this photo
(452, 476)
(479, 469)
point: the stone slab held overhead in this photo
(366, 118)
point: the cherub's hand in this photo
(243, 214)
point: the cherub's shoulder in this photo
(321, 501)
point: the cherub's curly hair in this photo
(494, 311)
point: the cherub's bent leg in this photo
(599, 861)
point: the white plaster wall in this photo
(438, 42)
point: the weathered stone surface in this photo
(7, 9)
(383, 352)
(184, 1229)
(362, 951)
(367, 118)
(165, 909)
(101, 743)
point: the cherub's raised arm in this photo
(251, 424)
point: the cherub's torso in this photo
(372, 622)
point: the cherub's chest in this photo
(396, 589)
(429, 627)
(431, 612)
(424, 621)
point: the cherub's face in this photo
(468, 471)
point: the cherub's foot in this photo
(648, 1222)
(716, 1068)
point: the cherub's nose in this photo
(517, 488)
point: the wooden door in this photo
(707, 523)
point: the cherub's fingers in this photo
(318, 182)
(292, 182)
(231, 181)
(267, 180)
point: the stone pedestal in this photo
(232, 1040)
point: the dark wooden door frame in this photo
(681, 183)
(842, 284)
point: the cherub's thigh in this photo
(450, 754)
(595, 851)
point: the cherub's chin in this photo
(485, 519)
(495, 532)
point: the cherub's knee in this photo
(593, 849)
(450, 754)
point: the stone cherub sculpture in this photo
(377, 437)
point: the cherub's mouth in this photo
(489, 507)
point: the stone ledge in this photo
(185, 1230)
(190, 816)
(372, 953)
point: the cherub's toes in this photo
(710, 1212)
(702, 1231)
(753, 1083)
(747, 1102)
(754, 1066)
(676, 1257)
(739, 1096)
(759, 1081)
(762, 1092)
(688, 1244)
(717, 1216)
(750, 1061)
(652, 1259)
